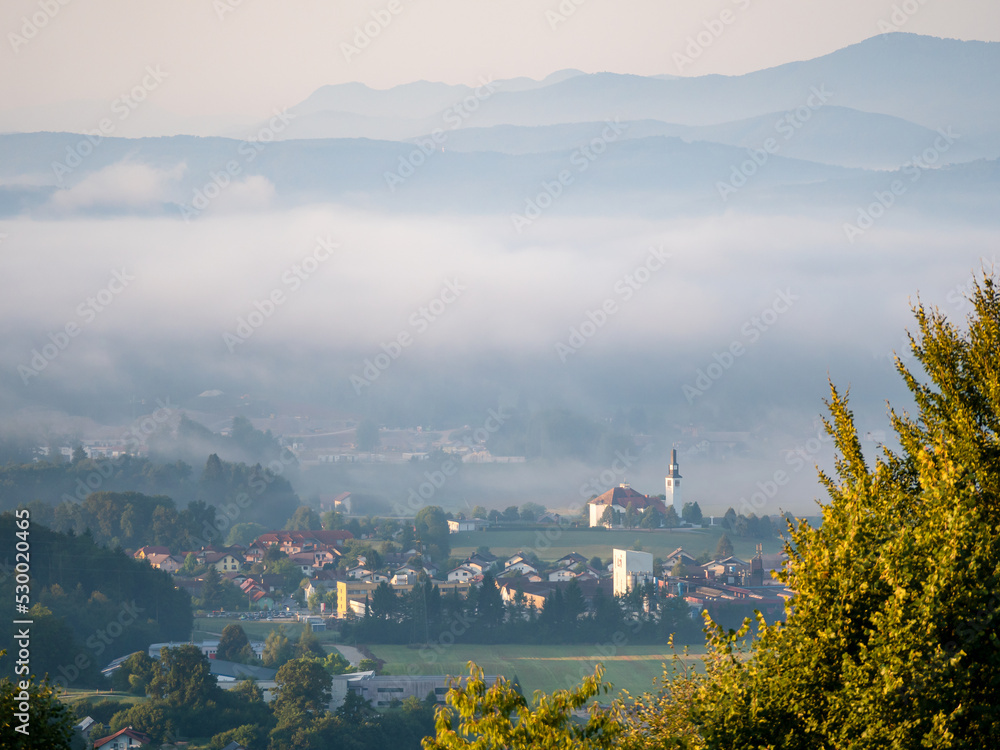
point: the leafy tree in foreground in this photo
(892, 638)
(499, 716)
(47, 724)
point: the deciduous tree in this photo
(891, 639)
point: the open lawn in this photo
(553, 542)
(73, 695)
(546, 668)
(210, 628)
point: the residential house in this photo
(168, 563)
(728, 570)
(462, 573)
(679, 555)
(144, 552)
(406, 575)
(305, 561)
(587, 573)
(124, 739)
(223, 561)
(518, 563)
(480, 562)
(291, 542)
(358, 571)
(573, 558)
(562, 574)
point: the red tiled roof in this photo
(128, 732)
(319, 536)
(624, 495)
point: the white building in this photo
(631, 568)
(674, 484)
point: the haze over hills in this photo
(847, 183)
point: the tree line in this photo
(426, 616)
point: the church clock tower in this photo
(674, 484)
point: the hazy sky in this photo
(228, 57)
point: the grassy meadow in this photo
(210, 628)
(547, 668)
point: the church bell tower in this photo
(674, 484)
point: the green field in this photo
(73, 695)
(591, 542)
(546, 668)
(210, 628)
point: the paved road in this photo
(350, 653)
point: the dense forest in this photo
(131, 502)
(89, 604)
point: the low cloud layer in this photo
(710, 326)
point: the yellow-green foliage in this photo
(891, 640)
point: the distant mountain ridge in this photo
(816, 134)
(928, 81)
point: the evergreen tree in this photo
(724, 548)
(308, 644)
(211, 589)
(691, 512)
(277, 648)
(234, 645)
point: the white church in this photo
(619, 498)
